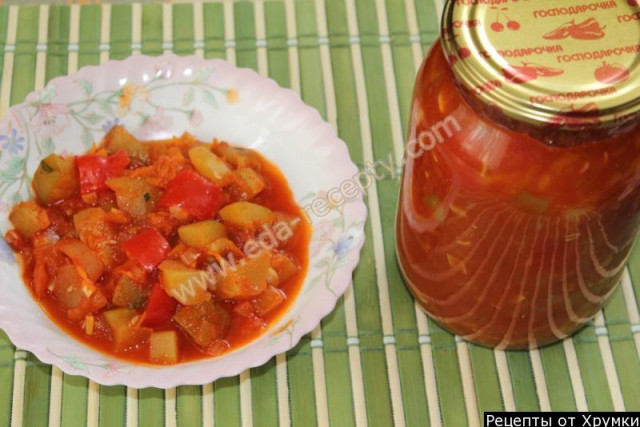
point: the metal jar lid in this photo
(570, 63)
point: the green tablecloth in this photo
(376, 360)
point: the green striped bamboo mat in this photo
(376, 360)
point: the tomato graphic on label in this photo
(498, 26)
(528, 72)
(633, 2)
(612, 73)
(572, 117)
(590, 29)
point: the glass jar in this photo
(520, 198)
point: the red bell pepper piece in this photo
(94, 170)
(148, 247)
(194, 193)
(160, 307)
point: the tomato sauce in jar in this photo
(520, 198)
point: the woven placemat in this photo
(376, 360)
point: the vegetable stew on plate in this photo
(161, 252)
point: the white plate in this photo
(157, 98)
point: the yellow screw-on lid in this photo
(570, 63)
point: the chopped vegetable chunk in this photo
(119, 139)
(125, 331)
(247, 280)
(269, 300)
(201, 234)
(210, 166)
(246, 215)
(191, 192)
(284, 266)
(148, 247)
(223, 247)
(163, 347)
(187, 285)
(253, 184)
(82, 256)
(204, 323)
(55, 179)
(95, 229)
(29, 218)
(134, 195)
(128, 294)
(236, 156)
(160, 307)
(75, 293)
(95, 170)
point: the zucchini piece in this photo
(204, 323)
(248, 279)
(125, 331)
(284, 266)
(223, 247)
(236, 156)
(210, 166)
(55, 179)
(253, 182)
(272, 278)
(94, 229)
(268, 300)
(134, 195)
(28, 218)
(128, 294)
(67, 288)
(201, 234)
(82, 256)
(75, 293)
(163, 347)
(246, 215)
(187, 285)
(119, 139)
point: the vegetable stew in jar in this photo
(520, 198)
